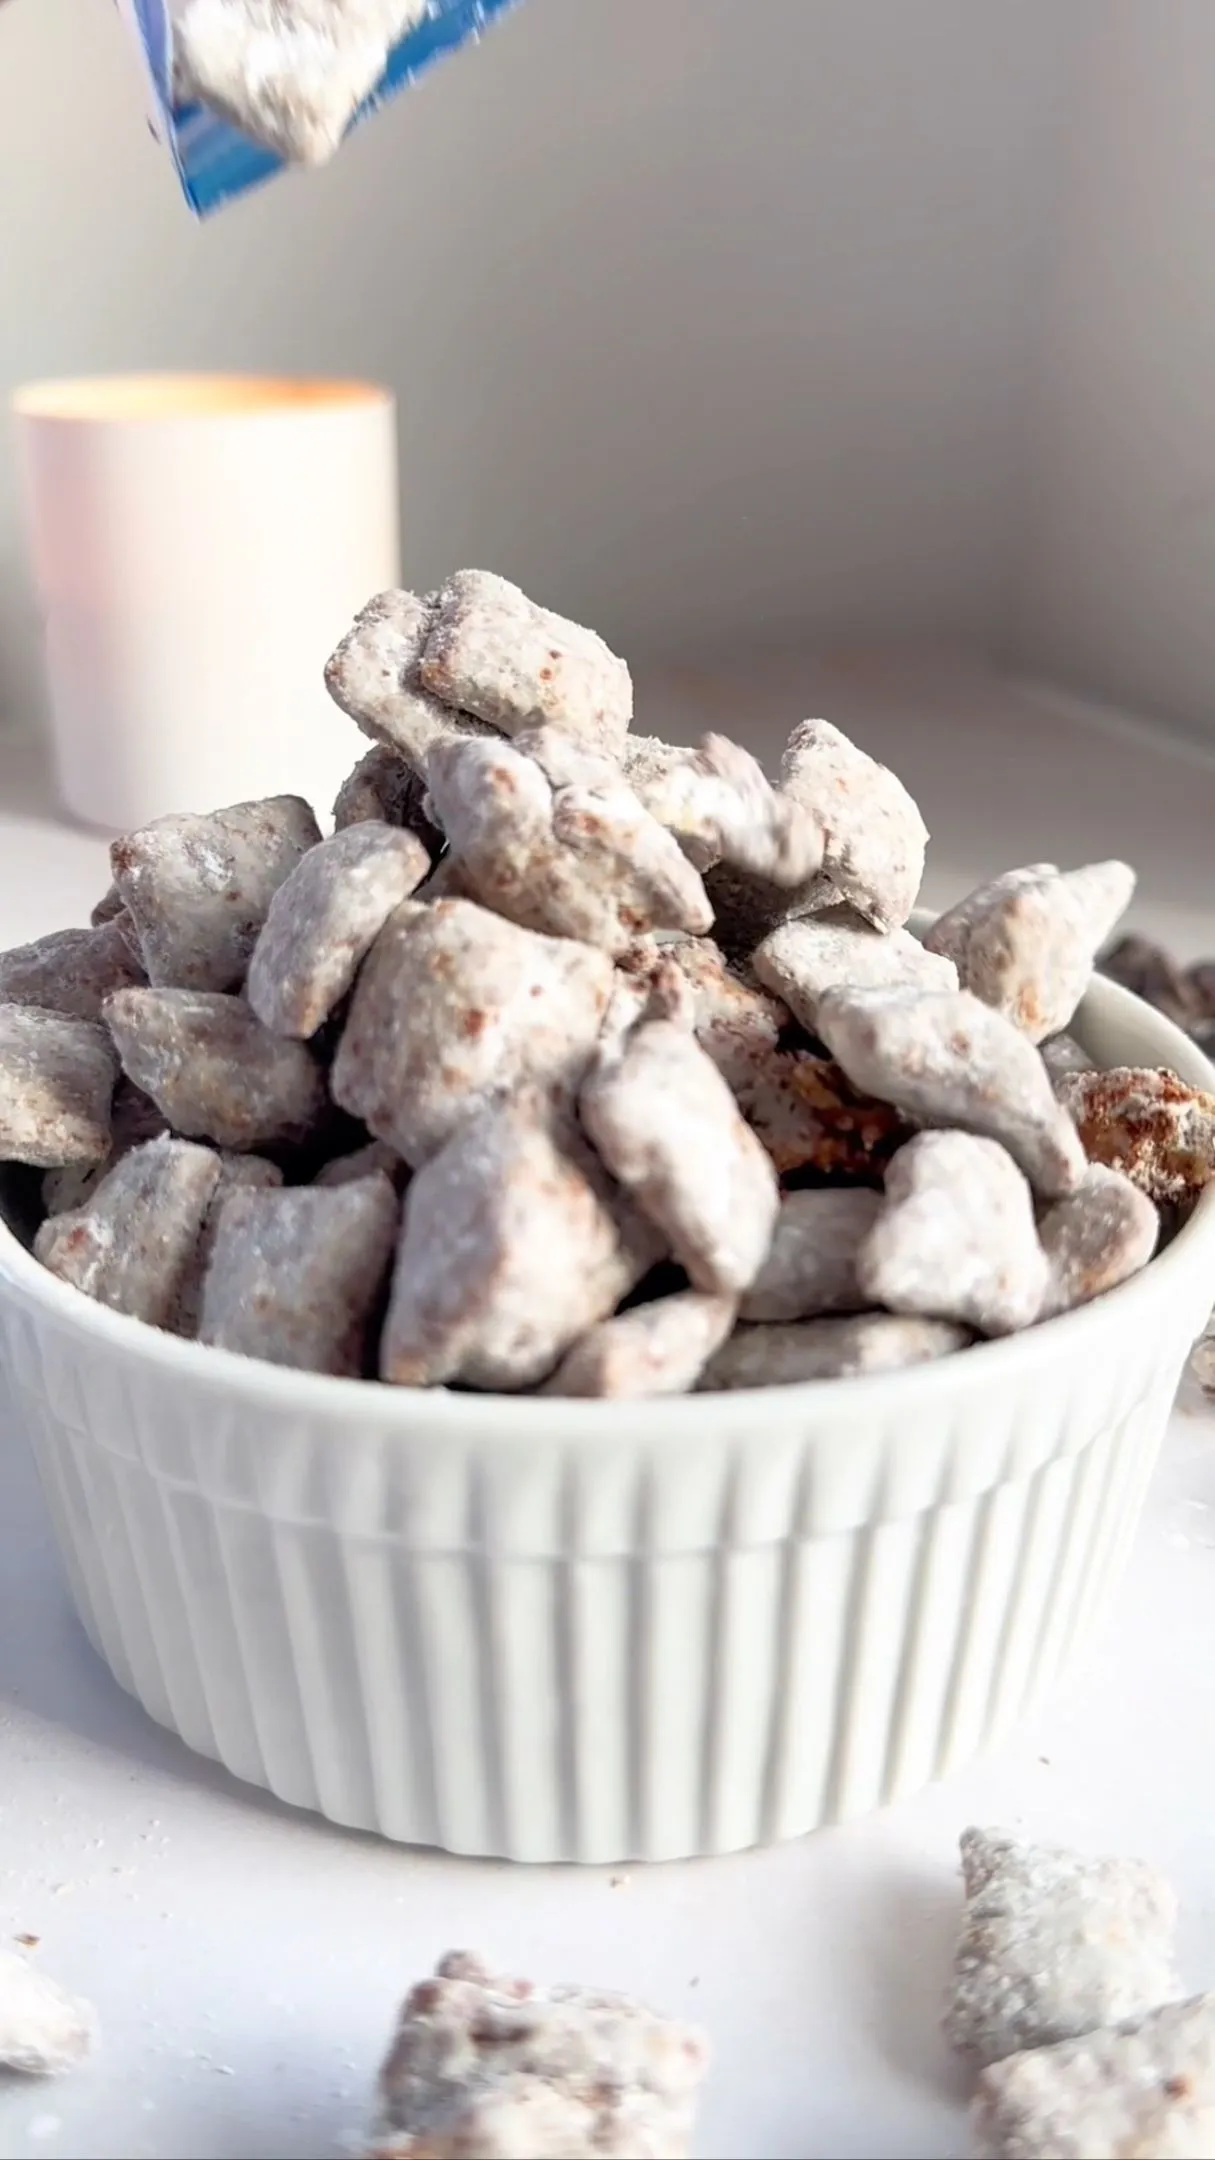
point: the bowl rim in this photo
(553, 1421)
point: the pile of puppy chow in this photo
(572, 1060)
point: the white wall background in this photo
(711, 320)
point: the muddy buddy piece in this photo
(364, 1162)
(514, 1244)
(811, 1263)
(1054, 1944)
(875, 837)
(810, 1118)
(134, 1118)
(132, 1245)
(1154, 975)
(491, 651)
(43, 2032)
(1026, 942)
(454, 1007)
(1096, 1239)
(721, 807)
(214, 1070)
(1061, 1055)
(71, 972)
(1149, 1124)
(956, 1239)
(198, 887)
(290, 78)
(567, 858)
(373, 676)
(296, 1277)
(802, 960)
(668, 1128)
(733, 1018)
(109, 908)
(947, 1059)
(384, 790)
(758, 1357)
(496, 2067)
(656, 1349)
(252, 1172)
(56, 1081)
(1140, 2090)
(323, 921)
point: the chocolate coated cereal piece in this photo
(1140, 2090)
(296, 1276)
(1154, 975)
(364, 1162)
(110, 906)
(289, 77)
(56, 1080)
(384, 790)
(198, 887)
(1054, 1945)
(570, 860)
(215, 1071)
(42, 2031)
(72, 971)
(499, 2068)
(491, 651)
(648, 765)
(513, 1244)
(875, 837)
(781, 1356)
(746, 908)
(956, 1239)
(324, 919)
(1025, 943)
(733, 1019)
(803, 959)
(721, 807)
(1061, 1055)
(373, 676)
(235, 1171)
(132, 1245)
(1147, 1123)
(656, 1349)
(810, 1118)
(134, 1118)
(947, 1059)
(811, 1266)
(1096, 1239)
(667, 1126)
(454, 1007)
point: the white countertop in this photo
(246, 1960)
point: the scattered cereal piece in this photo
(1095, 1239)
(71, 972)
(1054, 1945)
(214, 1070)
(513, 1245)
(1202, 1360)
(289, 77)
(1140, 2090)
(947, 1059)
(296, 1276)
(811, 1263)
(323, 921)
(875, 836)
(1025, 943)
(364, 1162)
(956, 1239)
(721, 807)
(668, 1128)
(1149, 1124)
(42, 2031)
(384, 790)
(58, 1077)
(1154, 976)
(503, 2069)
(373, 676)
(757, 1357)
(198, 887)
(454, 1007)
(132, 1245)
(803, 959)
(491, 651)
(571, 859)
(134, 1118)
(656, 1349)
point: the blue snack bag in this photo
(216, 160)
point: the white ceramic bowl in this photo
(585, 1631)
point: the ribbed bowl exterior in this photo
(591, 1632)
